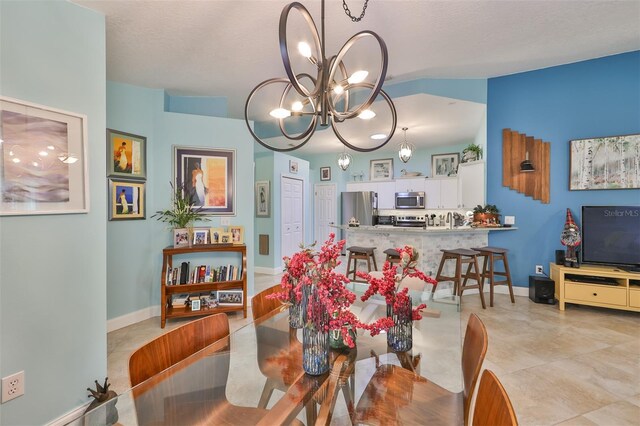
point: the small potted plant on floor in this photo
(180, 216)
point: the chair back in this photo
(260, 305)
(474, 350)
(176, 345)
(493, 406)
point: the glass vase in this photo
(295, 311)
(400, 336)
(315, 336)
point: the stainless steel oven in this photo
(410, 200)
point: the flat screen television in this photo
(611, 236)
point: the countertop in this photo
(428, 230)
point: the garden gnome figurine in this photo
(571, 238)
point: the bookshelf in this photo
(169, 291)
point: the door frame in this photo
(315, 211)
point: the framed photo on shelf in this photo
(237, 234)
(180, 237)
(207, 176)
(443, 165)
(126, 199)
(263, 199)
(225, 238)
(381, 169)
(293, 166)
(604, 163)
(325, 173)
(230, 297)
(126, 155)
(214, 234)
(200, 236)
(44, 160)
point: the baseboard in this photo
(501, 289)
(267, 271)
(132, 318)
(72, 415)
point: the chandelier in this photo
(406, 149)
(321, 92)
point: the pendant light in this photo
(406, 149)
(344, 160)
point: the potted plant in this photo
(472, 152)
(180, 216)
(487, 215)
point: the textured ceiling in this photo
(224, 48)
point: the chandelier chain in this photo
(348, 12)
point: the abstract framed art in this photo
(44, 164)
(611, 162)
(126, 155)
(381, 169)
(325, 173)
(207, 176)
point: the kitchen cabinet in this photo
(386, 195)
(362, 186)
(471, 184)
(441, 193)
(410, 184)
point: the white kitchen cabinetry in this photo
(386, 195)
(471, 184)
(362, 186)
(410, 185)
(441, 193)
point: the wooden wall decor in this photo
(532, 184)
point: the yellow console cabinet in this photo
(573, 285)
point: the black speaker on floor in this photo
(541, 290)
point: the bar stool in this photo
(392, 255)
(491, 255)
(360, 253)
(461, 256)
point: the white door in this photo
(291, 207)
(325, 210)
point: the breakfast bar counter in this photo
(428, 241)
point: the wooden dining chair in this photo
(260, 305)
(493, 406)
(193, 391)
(427, 401)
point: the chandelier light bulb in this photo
(367, 114)
(344, 160)
(51, 147)
(338, 90)
(43, 153)
(297, 106)
(280, 113)
(358, 77)
(16, 160)
(406, 149)
(35, 163)
(304, 49)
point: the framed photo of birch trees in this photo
(611, 162)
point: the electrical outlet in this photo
(539, 269)
(225, 221)
(12, 386)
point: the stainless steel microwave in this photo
(410, 200)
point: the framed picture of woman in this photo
(263, 200)
(126, 200)
(126, 155)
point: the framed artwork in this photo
(180, 237)
(230, 297)
(293, 166)
(44, 160)
(225, 238)
(200, 236)
(381, 169)
(604, 163)
(325, 173)
(263, 199)
(443, 165)
(207, 176)
(126, 155)
(215, 235)
(237, 234)
(126, 199)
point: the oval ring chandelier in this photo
(329, 98)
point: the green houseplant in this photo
(471, 153)
(182, 213)
(487, 215)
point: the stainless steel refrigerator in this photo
(361, 205)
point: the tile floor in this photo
(577, 367)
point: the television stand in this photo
(602, 286)
(635, 269)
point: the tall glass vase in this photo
(315, 336)
(295, 311)
(400, 336)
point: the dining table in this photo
(225, 383)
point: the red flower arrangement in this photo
(331, 295)
(386, 286)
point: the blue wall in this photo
(599, 97)
(53, 267)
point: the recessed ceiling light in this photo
(378, 136)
